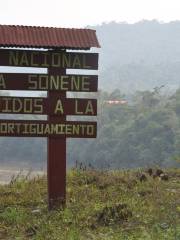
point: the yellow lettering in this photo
(2, 82)
(83, 129)
(33, 64)
(85, 83)
(90, 130)
(10, 128)
(60, 128)
(75, 83)
(39, 129)
(85, 66)
(47, 129)
(64, 83)
(27, 105)
(56, 60)
(45, 63)
(4, 128)
(24, 60)
(76, 62)
(16, 105)
(43, 82)
(66, 60)
(13, 58)
(53, 82)
(76, 108)
(89, 108)
(68, 129)
(18, 128)
(6, 109)
(26, 126)
(75, 129)
(32, 128)
(38, 104)
(33, 82)
(59, 107)
(54, 128)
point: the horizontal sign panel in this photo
(48, 106)
(48, 59)
(25, 128)
(45, 82)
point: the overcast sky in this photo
(80, 13)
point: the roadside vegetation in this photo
(129, 205)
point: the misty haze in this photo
(139, 64)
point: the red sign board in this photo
(49, 59)
(56, 105)
(27, 128)
(45, 82)
(45, 106)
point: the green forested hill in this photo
(143, 132)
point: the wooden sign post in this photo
(56, 106)
(56, 158)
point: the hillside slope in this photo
(100, 206)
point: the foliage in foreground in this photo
(100, 205)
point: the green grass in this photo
(100, 205)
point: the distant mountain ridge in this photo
(139, 56)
